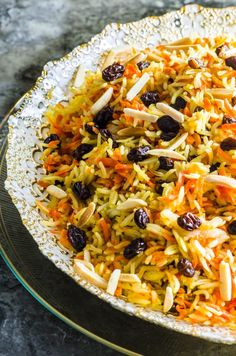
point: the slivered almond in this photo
(80, 75)
(110, 59)
(225, 281)
(192, 175)
(121, 55)
(88, 213)
(90, 276)
(87, 264)
(221, 180)
(181, 41)
(199, 248)
(221, 93)
(195, 63)
(178, 142)
(169, 299)
(44, 209)
(157, 230)
(87, 255)
(139, 58)
(56, 192)
(226, 52)
(131, 131)
(102, 101)
(180, 47)
(168, 110)
(131, 203)
(127, 56)
(140, 115)
(137, 86)
(113, 281)
(129, 278)
(166, 153)
(221, 50)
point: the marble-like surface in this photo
(32, 33)
(27, 329)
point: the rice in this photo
(149, 210)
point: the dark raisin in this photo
(91, 128)
(138, 154)
(232, 228)
(173, 310)
(113, 72)
(220, 49)
(77, 238)
(186, 268)
(233, 101)
(195, 63)
(143, 64)
(167, 124)
(198, 108)
(168, 136)
(214, 166)
(166, 163)
(58, 182)
(150, 97)
(180, 103)
(190, 158)
(228, 144)
(231, 62)
(141, 218)
(103, 117)
(228, 120)
(134, 248)
(107, 134)
(159, 188)
(170, 80)
(189, 221)
(82, 150)
(50, 138)
(81, 191)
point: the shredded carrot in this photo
(123, 167)
(229, 108)
(108, 162)
(225, 156)
(117, 155)
(207, 104)
(197, 139)
(43, 184)
(65, 242)
(231, 127)
(53, 144)
(186, 111)
(150, 184)
(117, 179)
(105, 229)
(190, 139)
(54, 214)
(118, 291)
(180, 181)
(130, 70)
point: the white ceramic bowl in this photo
(24, 135)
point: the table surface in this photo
(32, 33)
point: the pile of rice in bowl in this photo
(140, 177)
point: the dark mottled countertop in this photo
(31, 33)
